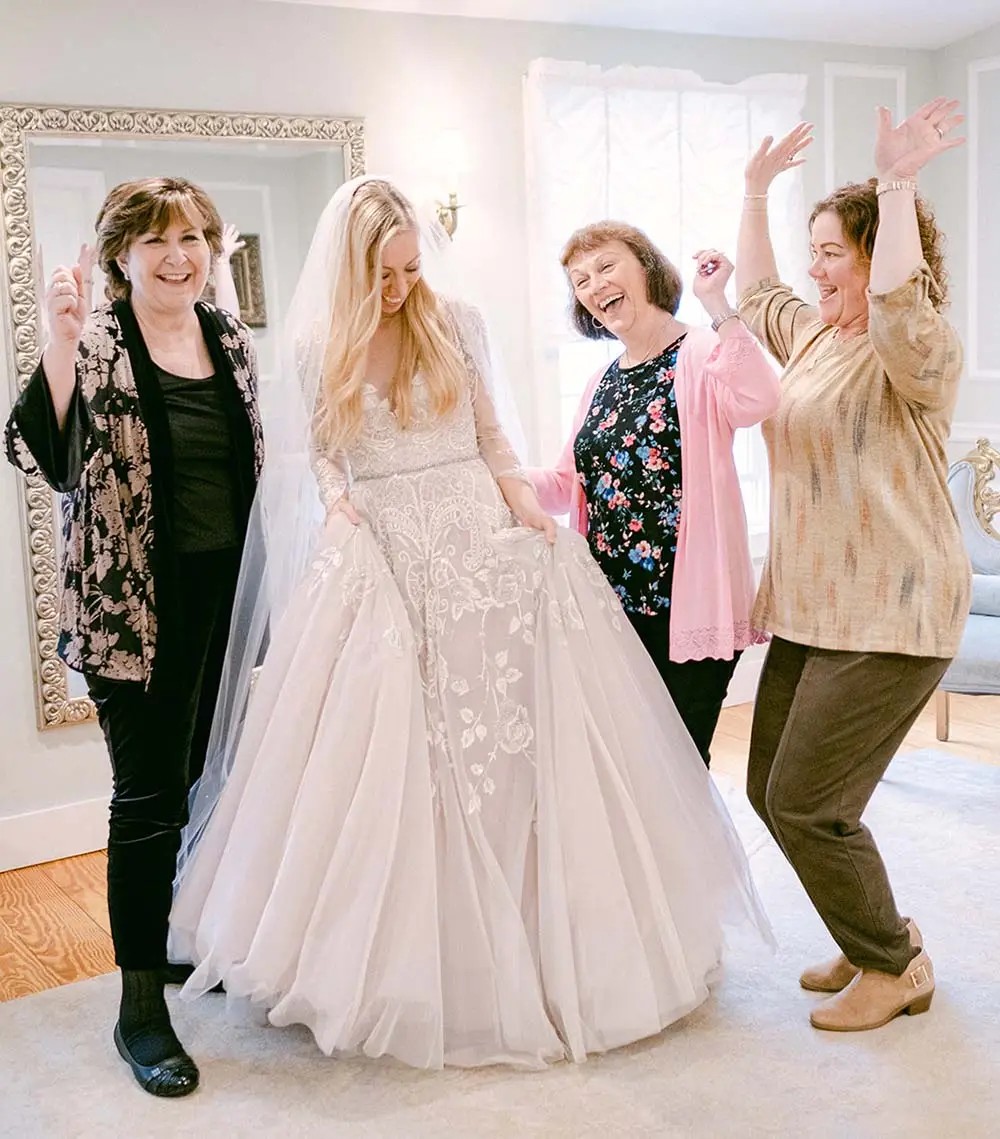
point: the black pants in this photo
(157, 740)
(697, 687)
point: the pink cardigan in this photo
(720, 385)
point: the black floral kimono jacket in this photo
(113, 463)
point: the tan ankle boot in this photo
(838, 973)
(873, 999)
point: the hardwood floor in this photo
(975, 733)
(53, 925)
(54, 920)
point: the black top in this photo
(203, 508)
(628, 456)
(112, 461)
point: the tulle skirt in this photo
(465, 824)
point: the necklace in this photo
(652, 353)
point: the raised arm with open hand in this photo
(754, 252)
(900, 153)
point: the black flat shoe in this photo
(175, 1076)
(177, 974)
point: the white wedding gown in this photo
(465, 824)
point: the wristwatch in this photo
(719, 320)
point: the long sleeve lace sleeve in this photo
(332, 473)
(494, 445)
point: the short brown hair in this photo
(663, 282)
(149, 205)
(856, 205)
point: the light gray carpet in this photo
(745, 1064)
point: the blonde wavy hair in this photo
(377, 213)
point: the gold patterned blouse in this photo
(865, 550)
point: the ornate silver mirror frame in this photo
(55, 704)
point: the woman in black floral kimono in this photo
(144, 414)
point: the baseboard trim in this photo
(58, 832)
(743, 686)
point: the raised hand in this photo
(231, 242)
(711, 277)
(771, 158)
(903, 150)
(69, 299)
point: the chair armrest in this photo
(985, 594)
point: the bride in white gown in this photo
(463, 823)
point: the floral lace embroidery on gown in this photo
(465, 824)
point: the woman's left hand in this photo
(231, 242)
(523, 502)
(903, 150)
(535, 518)
(711, 277)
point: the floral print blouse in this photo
(628, 458)
(112, 463)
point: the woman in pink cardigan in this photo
(648, 472)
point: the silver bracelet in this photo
(896, 184)
(720, 320)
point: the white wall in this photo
(409, 77)
(967, 209)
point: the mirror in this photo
(269, 175)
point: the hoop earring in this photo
(595, 324)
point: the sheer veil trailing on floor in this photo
(287, 516)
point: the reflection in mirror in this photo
(269, 177)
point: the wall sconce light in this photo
(447, 215)
(452, 162)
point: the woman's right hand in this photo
(68, 300)
(771, 158)
(343, 506)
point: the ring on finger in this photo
(940, 132)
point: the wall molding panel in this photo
(881, 84)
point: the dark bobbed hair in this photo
(663, 283)
(149, 205)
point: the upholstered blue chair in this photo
(976, 668)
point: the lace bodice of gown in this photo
(385, 448)
(472, 430)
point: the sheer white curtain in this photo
(663, 150)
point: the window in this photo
(665, 151)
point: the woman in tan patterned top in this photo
(866, 586)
